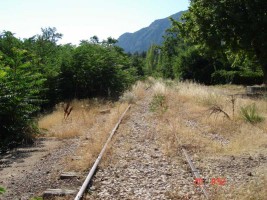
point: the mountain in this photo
(141, 40)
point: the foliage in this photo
(250, 114)
(153, 61)
(96, 70)
(2, 190)
(237, 77)
(216, 42)
(21, 85)
(228, 26)
(190, 64)
(36, 73)
(138, 61)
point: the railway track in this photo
(139, 169)
(155, 172)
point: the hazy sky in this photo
(81, 19)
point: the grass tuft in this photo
(250, 114)
(2, 190)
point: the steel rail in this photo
(195, 172)
(92, 171)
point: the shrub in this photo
(237, 77)
(19, 102)
(250, 114)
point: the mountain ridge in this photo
(142, 39)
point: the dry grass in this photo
(90, 120)
(95, 139)
(207, 122)
(80, 119)
(191, 119)
(136, 93)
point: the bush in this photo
(97, 71)
(250, 114)
(192, 65)
(237, 77)
(19, 102)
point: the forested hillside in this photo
(141, 40)
(217, 42)
(36, 73)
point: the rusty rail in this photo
(92, 171)
(195, 172)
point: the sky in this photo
(81, 19)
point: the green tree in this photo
(153, 61)
(49, 55)
(97, 70)
(21, 85)
(229, 25)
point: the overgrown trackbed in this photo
(138, 169)
(141, 162)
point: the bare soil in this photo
(28, 171)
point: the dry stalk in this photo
(215, 109)
(67, 110)
(233, 99)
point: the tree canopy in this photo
(238, 26)
(37, 72)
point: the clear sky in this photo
(82, 19)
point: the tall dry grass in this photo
(135, 93)
(207, 122)
(191, 119)
(80, 119)
(91, 121)
(93, 141)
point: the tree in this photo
(94, 39)
(153, 61)
(229, 25)
(45, 47)
(21, 85)
(97, 70)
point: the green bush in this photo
(20, 86)
(250, 114)
(192, 65)
(237, 77)
(97, 70)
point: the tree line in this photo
(216, 42)
(36, 73)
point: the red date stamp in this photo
(213, 181)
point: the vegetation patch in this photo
(158, 103)
(2, 190)
(251, 114)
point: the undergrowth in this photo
(250, 114)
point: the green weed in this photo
(2, 190)
(250, 114)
